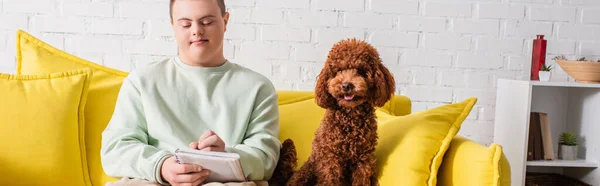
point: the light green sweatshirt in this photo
(169, 104)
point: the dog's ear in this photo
(322, 96)
(385, 86)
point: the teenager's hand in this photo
(182, 174)
(209, 141)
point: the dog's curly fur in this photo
(285, 165)
(351, 84)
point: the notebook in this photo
(223, 166)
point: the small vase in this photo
(538, 56)
(567, 152)
(545, 75)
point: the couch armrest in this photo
(469, 163)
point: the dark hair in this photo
(220, 2)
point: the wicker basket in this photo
(551, 179)
(581, 71)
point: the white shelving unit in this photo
(570, 106)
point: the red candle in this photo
(538, 57)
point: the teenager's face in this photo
(199, 29)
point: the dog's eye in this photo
(361, 72)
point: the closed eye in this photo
(185, 23)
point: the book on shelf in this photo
(546, 137)
(223, 166)
(539, 145)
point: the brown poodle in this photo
(352, 83)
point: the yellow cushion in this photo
(37, 57)
(42, 128)
(299, 121)
(476, 164)
(410, 147)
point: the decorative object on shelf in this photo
(582, 70)
(545, 73)
(567, 149)
(538, 58)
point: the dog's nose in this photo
(347, 86)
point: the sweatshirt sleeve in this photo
(259, 151)
(125, 151)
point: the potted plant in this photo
(567, 149)
(545, 73)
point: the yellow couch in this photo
(414, 148)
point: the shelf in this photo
(571, 106)
(563, 163)
(552, 83)
(565, 84)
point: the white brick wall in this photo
(439, 51)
